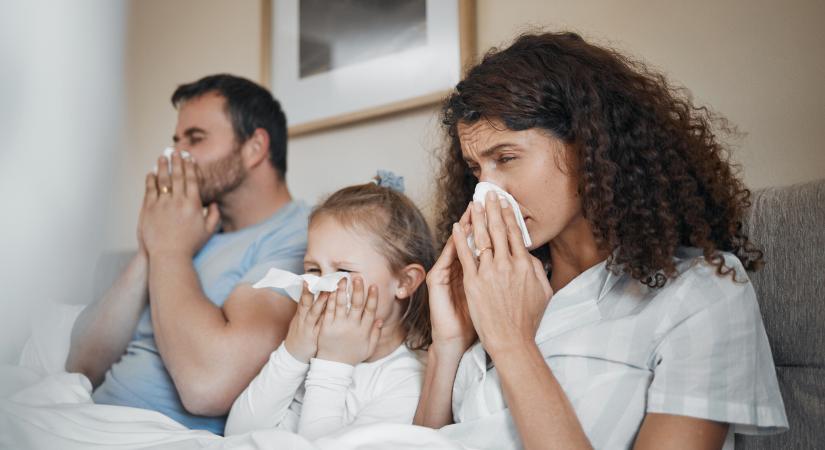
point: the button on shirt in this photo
(695, 347)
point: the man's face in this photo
(204, 130)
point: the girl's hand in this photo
(507, 289)
(350, 336)
(451, 325)
(302, 337)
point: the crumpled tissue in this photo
(479, 195)
(294, 284)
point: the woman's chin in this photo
(536, 241)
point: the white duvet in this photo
(44, 407)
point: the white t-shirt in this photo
(696, 347)
(321, 397)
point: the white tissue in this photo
(167, 152)
(479, 196)
(294, 284)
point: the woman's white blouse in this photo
(696, 347)
(322, 397)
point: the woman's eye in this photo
(312, 270)
(343, 270)
(505, 159)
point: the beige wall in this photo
(169, 43)
(760, 63)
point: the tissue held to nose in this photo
(167, 153)
(294, 284)
(478, 196)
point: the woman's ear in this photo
(256, 149)
(409, 279)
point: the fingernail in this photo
(491, 196)
(455, 226)
(504, 203)
(477, 207)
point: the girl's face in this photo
(333, 247)
(530, 165)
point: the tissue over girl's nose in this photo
(294, 284)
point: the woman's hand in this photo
(350, 335)
(507, 289)
(451, 325)
(302, 337)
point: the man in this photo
(182, 331)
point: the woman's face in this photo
(531, 165)
(333, 247)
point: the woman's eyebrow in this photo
(492, 150)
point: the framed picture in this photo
(333, 62)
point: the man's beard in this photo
(221, 177)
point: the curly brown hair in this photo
(652, 174)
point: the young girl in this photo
(351, 361)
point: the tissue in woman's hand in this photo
(294, 284)
(479, 196)
(167, 152)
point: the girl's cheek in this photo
(385, 307)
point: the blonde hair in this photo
(403, 238)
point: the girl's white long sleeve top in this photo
(322, 397)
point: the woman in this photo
(630, 322)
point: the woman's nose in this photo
(491, 176)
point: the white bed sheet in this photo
(44, 407)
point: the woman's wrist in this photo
(514, 352)
(447, 351)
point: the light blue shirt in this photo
(139, 378)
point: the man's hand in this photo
(172, 218)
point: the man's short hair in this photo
(249, 106)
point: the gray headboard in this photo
(788, 224)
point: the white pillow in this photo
(48, 346)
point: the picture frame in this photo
(337, 62)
